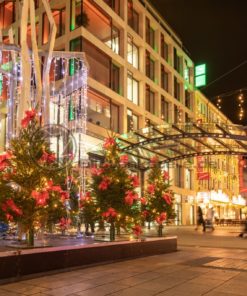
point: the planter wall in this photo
(14, 266)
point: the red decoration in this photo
(106, 165)
(86, 197)
(130, 197)
(151, 188)
(166, 176)
(40, 197)
(135, 181)
(145, 213)
(4, 160)
(124, 159)
(64, 223)
(48, 157)
(51, 187)
(161, 218)
(143, 200)
(9, 217)
(104, 183)
(64, 195)
(110, 213)
(96, 172)
(137, 230)
(30, 115)
(109, 142)
(10, 205)
(167, 198)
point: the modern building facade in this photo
(140, 75)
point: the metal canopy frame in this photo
(172, 142)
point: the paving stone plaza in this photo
(195, 269)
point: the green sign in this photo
(200, 75)
(200, 80)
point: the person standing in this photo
(200, 219)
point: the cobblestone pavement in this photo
(190, 271)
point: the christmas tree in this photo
(30, 193)
(114, 189)
(158, 202)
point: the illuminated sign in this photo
(200, 75)
(219, 196)
(238, 200)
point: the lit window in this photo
(132, 121)
(133, 53)
(132, 89)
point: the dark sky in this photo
(214, 32)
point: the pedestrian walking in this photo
(200, 219)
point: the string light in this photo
(240, 105)
(219, 101)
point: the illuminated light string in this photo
(218, 104)
(240, 100)
(76, 92)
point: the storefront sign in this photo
(203, 197)
(238, 200)
(219, 196)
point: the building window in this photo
(177, 114)
(164, 109)
(164, 79)
(132, 121)
(115, 78)
(133, 17)
(150, 100)
(187, 118)
(59, 18)
(150, 34)
(132, 89)
(150, 66)
(188, 100)
(100, 25)
(178, 176)
(133, 53)
(76, 44)
(114, 4)
(113, 43)
(164, 48)
(7, 14)
(177, 93)
(78, 16)
(177, 62)
(101, 67)
(102, 112)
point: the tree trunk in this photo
(160, 230)
(112, 232)
(118, 230)
(101, 225)
(30, 237)
(149, 225)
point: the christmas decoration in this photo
(113, 188)
(158, 203)
(30, 194)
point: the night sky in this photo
(214, 32)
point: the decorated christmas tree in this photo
(114, 189)
(157, 206)
(30, 191)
